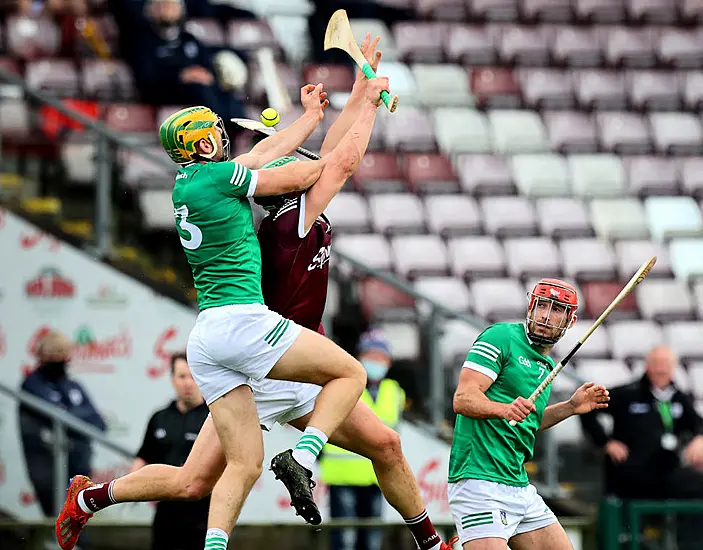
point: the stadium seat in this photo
(652, 175)
(485, 175)
(589, 259)
(670, 217)
(157, 209)
(654, 90)
(449, 292)
(665, 300)
(79, 161)
(651, 11)
(289, 78)
(403, 82)
(431, 78)
(397, 213)
(517, 131)
(621, 132)
(375, 27)
(633, 339)
(419, 42)
(315, 139)
(494, 87)
(136, 168)
(630, 47)
(597, 346)
(598, 175)
(631, 254)
(692, 176)
(251, 34)
(680, 48)
(693, 89)
(547, 88)
(292, 34)
(687, 259)
(207, 31)
(609, 372)
(409, 130)
(622, 218)
(551, 11)
(14, 119)
(600, 89)
(464, 131)
(455, 341)
(532, 256)
(404, 339)
(452, 215)
(54, 76)
(690, 11)
(695, 374)
(372, 250)
(494, 10)
(349, 213)
(380, 301)
(508, 216)
(476, 257)
(379, 171)
(676, 133)
(541, 175)
(576, 46)
(698, 295)
(335, 78)
(498, 299)
(432, 173)
(417, 255)
(523, 45)
(560, 217)
(130, 118)
(571, 132)
(107, 79)
(30, 38)
(685, 339)
(469, 45)
(600, 11)
(598, 295)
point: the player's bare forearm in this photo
(346, 119)
(296, 176)
(555, 414)
(473, 403)
(281, 143)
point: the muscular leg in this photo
(492, 543)
(314, 359)
(552, 537)
(237, 425)
(363, 433)
(192, 481)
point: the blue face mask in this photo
(375, 370)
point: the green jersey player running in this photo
(490, 496)
(236, 338)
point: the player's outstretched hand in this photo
(368, 48)
(589, 397)
(374, 88)
(519, 409)
(314, 99)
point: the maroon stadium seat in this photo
(599, 294)
(133, 118)
(657, 90)
(524, 45)
(547, 88)
(571, 132)
(10, 65)
(420, 42)
(30, 38)
(106, 79)
(430, 173)
(471, 45)
(379, 171)
(208, 31)
(379, 300)
(55, 76)
(409, 130)
(250, 34)
(335, 78)
(578, 47)
(495, 87)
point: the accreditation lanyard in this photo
(665, 414)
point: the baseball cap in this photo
(374, 340)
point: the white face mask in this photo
(375, 370)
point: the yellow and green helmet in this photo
(182, 130)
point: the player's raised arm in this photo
(283, 143)
(355, 101)
(296, 176)
(342, 162)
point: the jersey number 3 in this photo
(195, 235)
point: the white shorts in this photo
(229, 345)
(484, 509)
(280, 401)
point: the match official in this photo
(169, 437)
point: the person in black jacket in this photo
(168, 439)
(51, 383)
(655, 450)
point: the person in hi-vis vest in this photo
(354, 492)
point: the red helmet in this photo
(552, 291)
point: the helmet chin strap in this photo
(213, 141)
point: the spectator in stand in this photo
(171, 66)
(51, 383)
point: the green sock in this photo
(309, 447)
(216, 539)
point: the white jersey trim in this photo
(480, 368)
(302, 233)
(252, 182)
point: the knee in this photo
(250, 467)
(194, 487)
(358, 374)
(387, 448)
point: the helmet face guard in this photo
(554, 296)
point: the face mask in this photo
(374, 369)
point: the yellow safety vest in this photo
(340, 467)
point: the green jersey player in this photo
(237, 340)
(492, 501)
